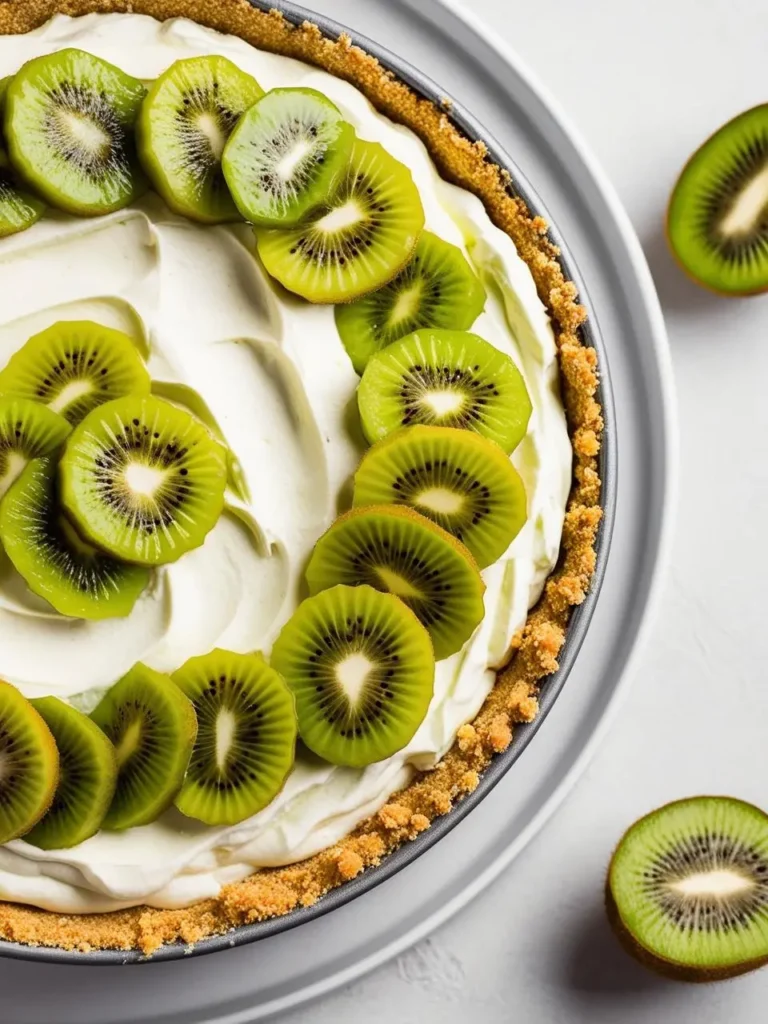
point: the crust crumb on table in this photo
(534, 652)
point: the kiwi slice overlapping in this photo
(73, 366)
(69, 119)
(27, 431)
(87, 777)
(19, 209)
(436, 288)
(394, 549)
(186, 119)
(151, 724)
(246, 736)
(143, 479)
(357, 240)
(458, 479)
(361, 667)
(29, 764)
(285, 155)
(446, 379)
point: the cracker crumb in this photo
(350, 864)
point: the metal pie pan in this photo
(580, 619)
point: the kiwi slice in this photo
(361, 667)
(73, 366)
(152, 726)
(285, 155)
(186, 119)
(445, 379)
(460, 480)
(437, 288)
(357, 240)
(27, 431)
(75, 578)
(687, 889)
(717, 221)
(87, 777)
(29, 764)
(19, 209)
(395, 549)
(143, 479)
(69, 119)
(246, 736)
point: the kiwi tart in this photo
(128, 487)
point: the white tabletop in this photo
(644, 83)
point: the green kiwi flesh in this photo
(394, 549)
(285, 155)
(361, 668)
(357, 240)
(458, 479)
(73, 366)
(436, 288)
(69, 120)
(87, 778)
(445, 379)
(687, 889)
(152, 725)
(27, 431)
(186, 119)
(246, 736)
(143, 479)
(57, 565)
(717, 221)
(29, 765)
(19, 209)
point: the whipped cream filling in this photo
(269, 372)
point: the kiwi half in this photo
(458, 479)
(73, 366)
(246, 736)
(436, 288)
(29, 764)
(186, 119)
(285, 155)
(357, 240)
(445, 379)
(717, 221)
(361, 667)
(27, 431)
(87, 777)
(69, 119)
(143, 479)
(687, 889)
(74, 577)
(394, 549)
(152, 726)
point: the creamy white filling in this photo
(274, 378)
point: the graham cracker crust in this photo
(534, 653)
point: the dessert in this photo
(197, 497)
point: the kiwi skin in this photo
(660, 965)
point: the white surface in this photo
(645, 83)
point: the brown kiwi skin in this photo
(660, 965)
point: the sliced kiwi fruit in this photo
(27, 431)
(152, 725)
(361, 667)
(394, 549)
(717, 221)
(186, 119)
(73, 366)
(458, 479)
(285, 155)
(357, 240)
(436, 288)
(29, 764)
(446, 379)
(246, 736)
(57, 565)
(69, 120)
(143, 479)
(87, 777)
(19, 209)
(687, 889)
